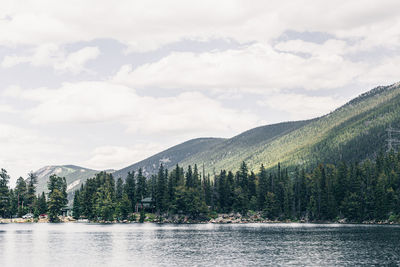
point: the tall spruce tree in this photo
(141, 191)
(31, 191)
(4, 194)
(130, 189)
(20, 194)
(57, 196)
(76, 208)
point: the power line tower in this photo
(392, 141)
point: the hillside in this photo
(74, 176)
(238, 147)
(170, 157)
(353, 132)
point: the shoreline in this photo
(221, 219)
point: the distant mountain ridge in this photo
(74, 175)
(353, 132)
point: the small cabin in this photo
(146, 203)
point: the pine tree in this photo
(270, 208)
(207, 190)
(76, 208)
(130, 189)
(221, 191)
(20, 193)
(196, 177)
(42, 204)
(252, 185)
(31, 192)
(119, 189)
(13, 203)
(57, 196)
(105, 206)
(161, 193)
(4, 194)
(124, 207)
(141, 186)
(189, 177)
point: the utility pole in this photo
(392, 141)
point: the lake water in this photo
(78, 244)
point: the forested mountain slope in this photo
(170, 157)
(353, 132)
(237, 148)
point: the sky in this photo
(104, 84)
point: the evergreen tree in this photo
(20, 194)
(105, 206)
(161, 196)
(76, 208)
(252, 185)
(130, 189)
(31, 191)
(369, 190)
(141, 186)
(119, 189)
(4, 194)
(270, 208)
(57, 196)
(207, 188)
(42, 204)
(189, 177)
(13, 203)
(124, 207)
(262, 188)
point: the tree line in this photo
(356, 191)
(22, 199)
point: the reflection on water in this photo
(206, 245)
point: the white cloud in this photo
(257, 68)
(119, 157)
(4, 108)
(75, 61)
(301, 106)
(52, 55)
(387, 71)
(40, 31)
(151, 24)
(11, 61)
(328, 48)
(187, 114)
(23, 149)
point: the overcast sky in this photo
(104, 84)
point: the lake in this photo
(79, 244)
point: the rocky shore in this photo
(232, 218)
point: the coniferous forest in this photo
(368, 191)
(355, 192)
(23, 200)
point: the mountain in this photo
(74, 175)
(239, 148)
(170, 157)
(353, 132)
